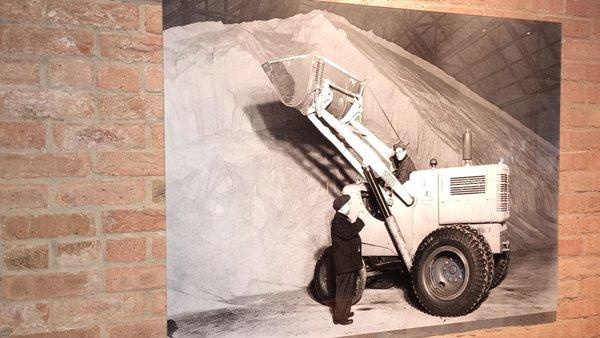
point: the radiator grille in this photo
(467, 185)
(503, 193)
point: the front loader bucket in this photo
(299, 79)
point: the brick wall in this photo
(81, 165)
(81, 168)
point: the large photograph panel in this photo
(250, 181)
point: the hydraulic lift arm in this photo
(319, 89)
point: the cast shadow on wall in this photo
(298, 138)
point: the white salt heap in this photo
(250, 182)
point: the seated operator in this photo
(347, 258)
(402, 163)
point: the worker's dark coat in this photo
(403, 168)
(346, 243)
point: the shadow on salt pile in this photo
(302, 142)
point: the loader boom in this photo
(332, 100)
(336, 111)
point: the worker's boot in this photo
(346, 321)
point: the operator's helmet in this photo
(400, 144)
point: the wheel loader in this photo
(446, 227)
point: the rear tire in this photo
(452, 272)
(501, 261)
(324, 280)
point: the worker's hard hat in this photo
(400, 144)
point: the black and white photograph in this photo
(336, 169)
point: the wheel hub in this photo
(447, 273)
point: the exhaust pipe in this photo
(467, 147)
(390, 220)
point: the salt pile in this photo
(250, 182)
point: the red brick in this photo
(159, 247)
(579, 224)
(83, 193)
(22, 135)
(568, 225)
(21, 9)
(99, 136)
(569, 308)
(593, 94)
(595, 29)
(126, 250)
(21, 196)
(118, 77)
(158, 136)
(576, 28)
(86, 332)
(158, 191)
(588, 224)
(78, 253)
(592, 245)
(592, 73)
(574, 140)
(135, 278)
(131, 164)
(55, 104)
(156, 328)
(579, 160)
(569, 289)
(580, 50)
(579, 203)
(146, 48)
(570, 247)
(563, 328)
(154, 19)
(154, 78)
(573, 115)
(19, 317)
(50, 285)
(71, 312)
(591, 306)
(25, 256)
(44, 165)
(72, 73)
(590, 287)
(580, 115)
(591, 326)
(19, 71)
(574, 71)
(109, 15)
(573, 92)
(578, 267)
(129, 106)
(133, 220)
(442, 8)
(45, 40)
(588, 8)
(47, 226)
(158, 302)
(553, 6)
(579, 181)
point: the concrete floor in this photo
(527, 296)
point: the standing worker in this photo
(347, 258)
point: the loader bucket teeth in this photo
(299, 79)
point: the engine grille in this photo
(467, 185)
(503, 193)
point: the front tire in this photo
(451, 273)
(324, 280)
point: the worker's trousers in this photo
(345, 285)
